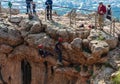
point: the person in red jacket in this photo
(101, 13)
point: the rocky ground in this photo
(90, 56)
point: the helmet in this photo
(60, 39)
(90, 26)
(40, 46)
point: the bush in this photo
(116, 79)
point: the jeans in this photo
(101, 20)
(28, 8)
(60, 56)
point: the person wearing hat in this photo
(101, 12)
(58, 50)
(44, 54)
(109, 13)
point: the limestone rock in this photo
(85, 42)
(77, 44)
(83, 34)
(15, 19)
(99, 47)
(42, 38)
(3, 15)
(63, 33)
(112, 42)
(72, 34)
(5, 48)
(3, 59)
(36, 28)
(52, 32)
(10, 36)
(26, 24)
(93, 35)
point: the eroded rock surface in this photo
(81, 48)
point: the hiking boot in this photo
(59, 63)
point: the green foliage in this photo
(77, 68)
(9, 4)
(101, 38)
(116, 79)
(107, 64)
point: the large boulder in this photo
(51, 31)
(26, 24)
(10, 36)
(42, 38)
(72, 34)
(99, 47)
(83, 33)
(5, 48)
(112, 42)
(15, 19)
(77, 44)
(63, 33)
(93, 34)
(36, 28)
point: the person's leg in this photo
(28, 5)
(34, 11)
(27, 8)
(51, 12)
(47, 9)
(60, 57)
(100, 21)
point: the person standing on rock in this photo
(101, 13)
(28, 6)
(58, 50)
(44, 54)
(48, 4)
(109, 13)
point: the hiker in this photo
(101, 12)
(48, 4)
(28, 2)
(58, 47)
(44, 54)
(109, 13)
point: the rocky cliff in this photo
(85, 53)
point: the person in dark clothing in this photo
(28, 2)
(109, 13)
(48, 4)
(44, 54)
(58, 50)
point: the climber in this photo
(58, 50)
(48, 4)
(44, 54)
(101, 13)
(109, 13)
(28, 2)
